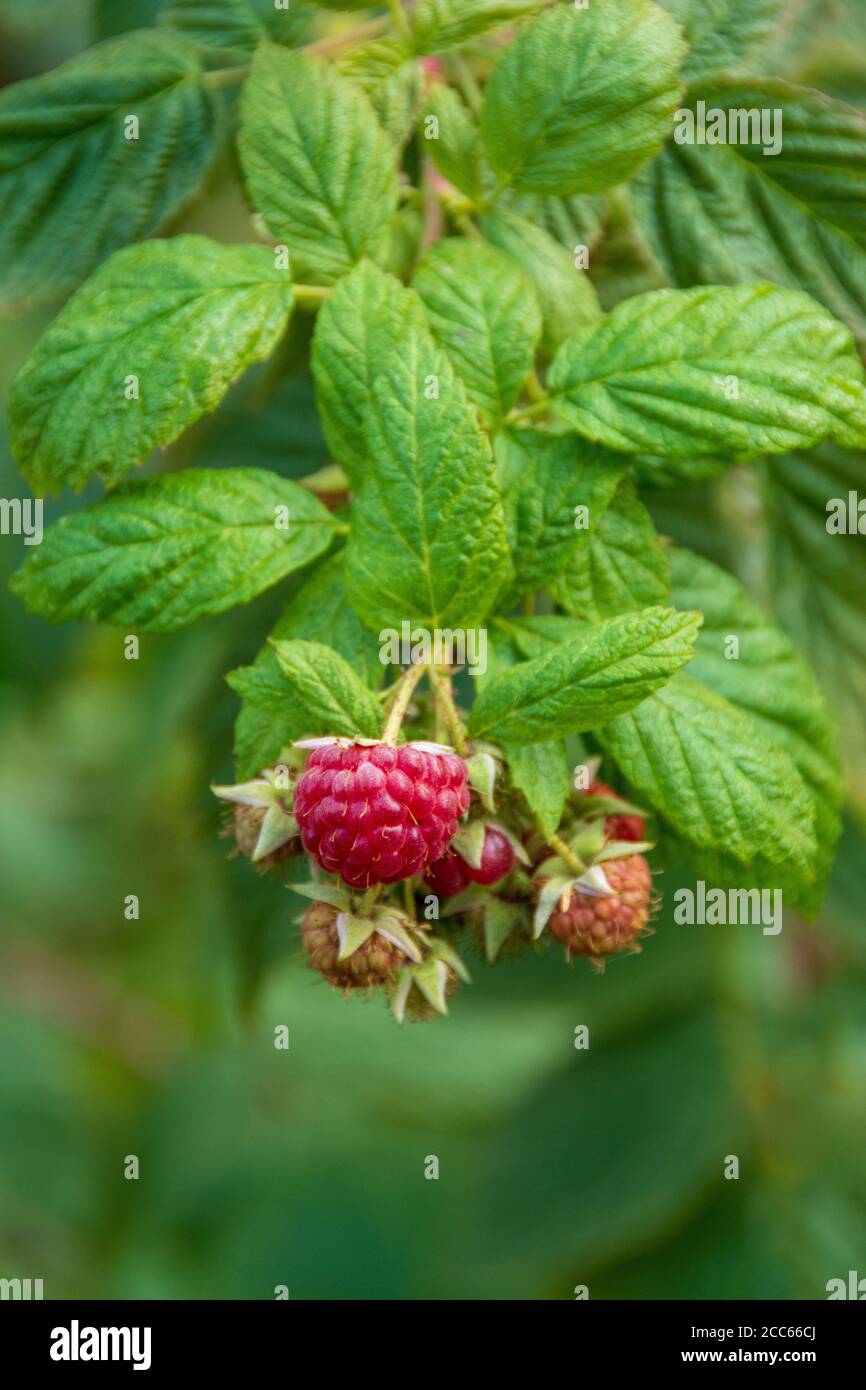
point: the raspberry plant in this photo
(526, 309)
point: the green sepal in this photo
(466, 901)
(548, 898)
(432, 978)
(328, 893)
(278, 827)
(445, 951)
(389, 925)
(623, 849)
(353, 932)
(469, 842)
(500, 920)
(482, 770)
(587, 841)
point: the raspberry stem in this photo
(566, 855)
(441, 683)
(406, 684)
(369, 899)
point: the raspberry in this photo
(452, 874)
(497, 858)
(376, 814)
(629, 828)
(374, 963)
(247, 828)
(447, 877)
(596, 926)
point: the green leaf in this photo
(536, 636)
(390, 76)
(266, 723)
(73, 185)
(765, 676)
(233, 28)
(484, 314)
(454, 142)
(722, 32)
(112, 17)
(723, 214)
(428, 542)
(556, 489)
(161, 552)
(566, 295)
(541, 772)
(712, 774)
(621, 567)
(739, 370)
(173, 322)
(318, 166)
(582, 98)
(443, 24)
(818, 582)
(588, 681)
(332, 697)
(575, 222)
(355, 333)
(308, 690)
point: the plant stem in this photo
(332, 43)
(369, 899)
(312, 294)
(227, 77)
(566, 855)
(465, 224)
(534, 388)
(527, 412)
(409, 898)
(466, 81)
(441, 683)
(407, 685)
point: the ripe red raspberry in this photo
(497, 858)
(629, 828)
(451, 875)
(376, 814)
(596, 926)
(447, 876)
(373, 964)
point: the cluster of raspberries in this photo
(374, 814)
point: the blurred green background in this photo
(261, 1167)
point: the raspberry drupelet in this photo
(377, 814)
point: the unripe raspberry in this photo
(602, 926)
(420, 1010)
(447, 876)
(248, 821)
(262, 823)
(376, 814)
(629, 828)
(497, 858)
(374, 962)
